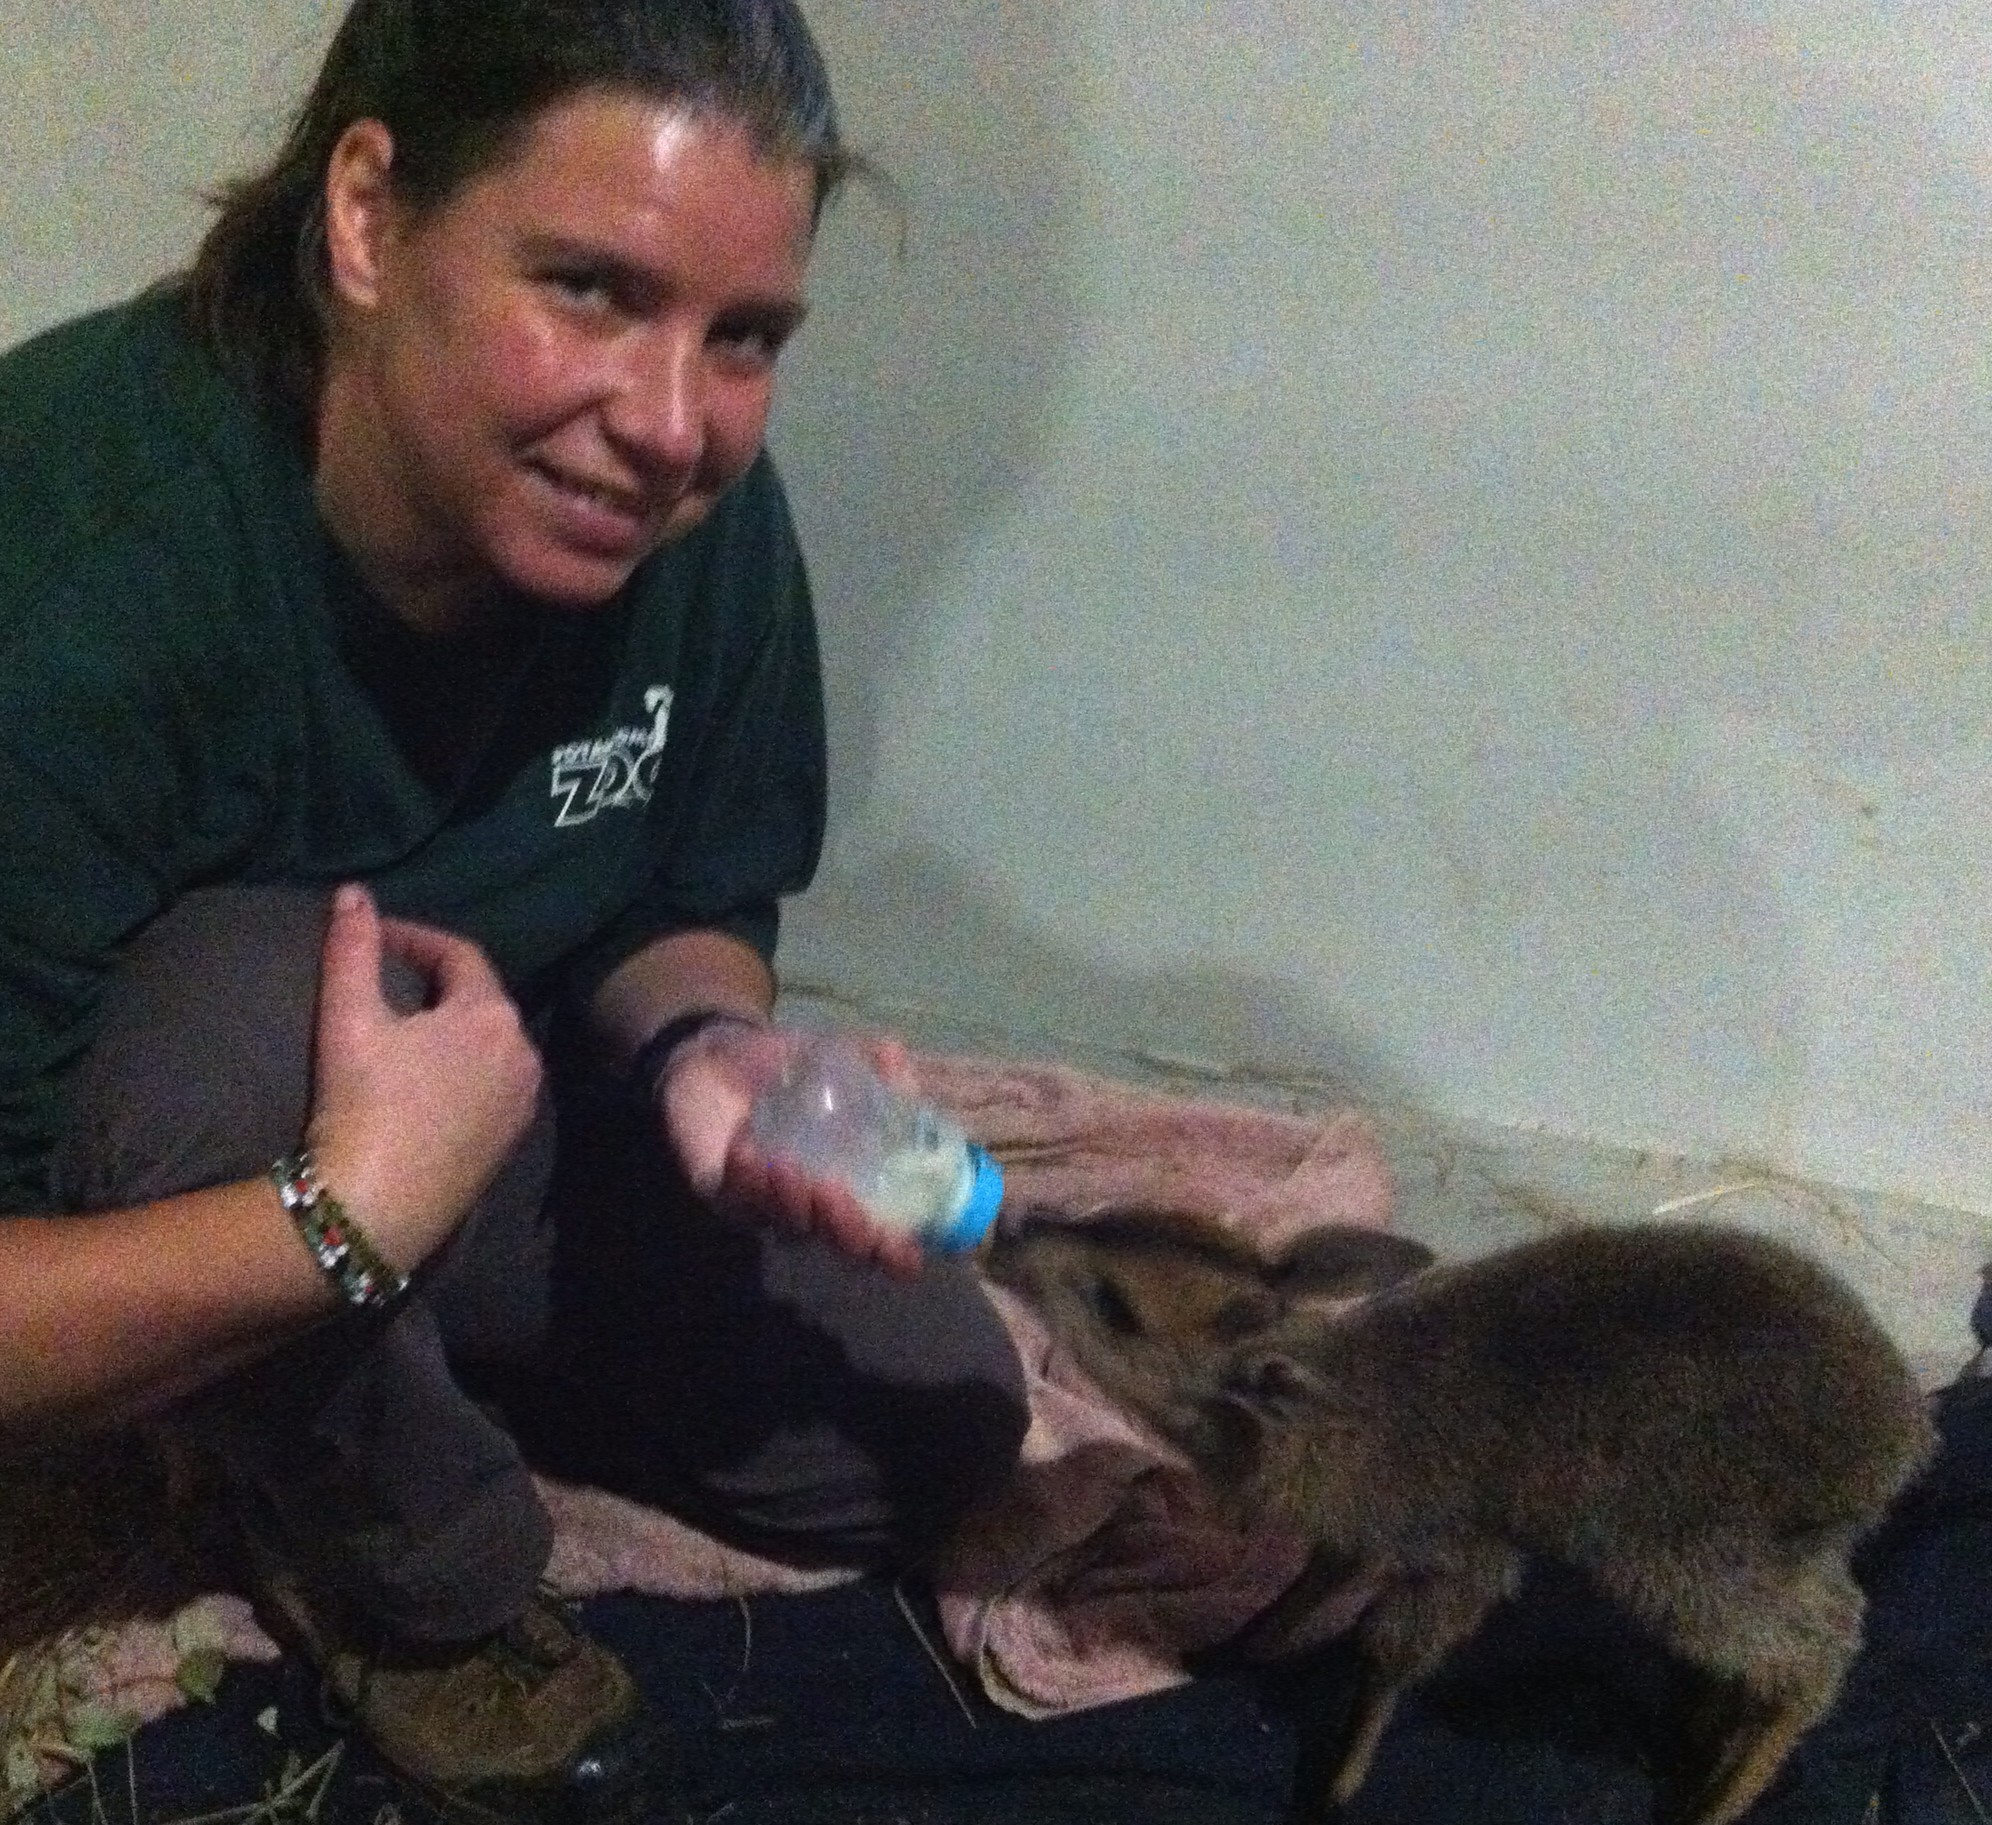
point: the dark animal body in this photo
(1701, 1421)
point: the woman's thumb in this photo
(349, 967)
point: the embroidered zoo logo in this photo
(615, 772)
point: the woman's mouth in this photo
(601, 512)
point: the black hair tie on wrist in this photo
(653, 1057)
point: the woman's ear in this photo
(359, 211)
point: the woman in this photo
(409, 724)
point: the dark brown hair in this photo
(456, 82)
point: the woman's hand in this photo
(703, 1099)
(413, 1114)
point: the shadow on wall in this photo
(919, 396)
(919, 944)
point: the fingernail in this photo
(349, 898)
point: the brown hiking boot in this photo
(538, 1721)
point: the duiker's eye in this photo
(1110, 1306)
(1244, 1316)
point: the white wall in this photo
(1441, 543)
(115, 117)
(1435, 544)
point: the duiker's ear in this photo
(1342, 1261)
(1272, 1385)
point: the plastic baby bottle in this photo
(910, 1166)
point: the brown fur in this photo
(1700, 1420)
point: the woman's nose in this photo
(658, 414)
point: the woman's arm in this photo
(114, 1313)
(680, 973)
(708, 1084)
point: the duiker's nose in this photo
(1014, 1223)
(1018, 1224)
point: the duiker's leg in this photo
(1741, 1754)
(1773, 1646)
(1324, 1600)
(1407, 1633)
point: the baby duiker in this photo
(1701, 1421)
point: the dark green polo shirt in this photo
(195, 686)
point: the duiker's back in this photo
(1616, 1383)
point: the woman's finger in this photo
(453, 966)
(894, 1065)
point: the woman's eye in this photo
(592, 289)
(754, 348)
(754, 339)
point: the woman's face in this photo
(564, 365)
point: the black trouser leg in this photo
(767, 1389)
(362, 1461)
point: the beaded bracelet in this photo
(342, 1249)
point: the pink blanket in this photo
(1102, 1565)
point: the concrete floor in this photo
(1465, 1188)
